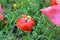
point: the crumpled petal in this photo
(53, 12)
(53, 2)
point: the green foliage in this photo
(43, 28)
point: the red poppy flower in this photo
(1, 17)
(53, 12)
(54, 2)
(25, 23)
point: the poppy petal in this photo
(53, 12)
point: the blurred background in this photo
(43, 28)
